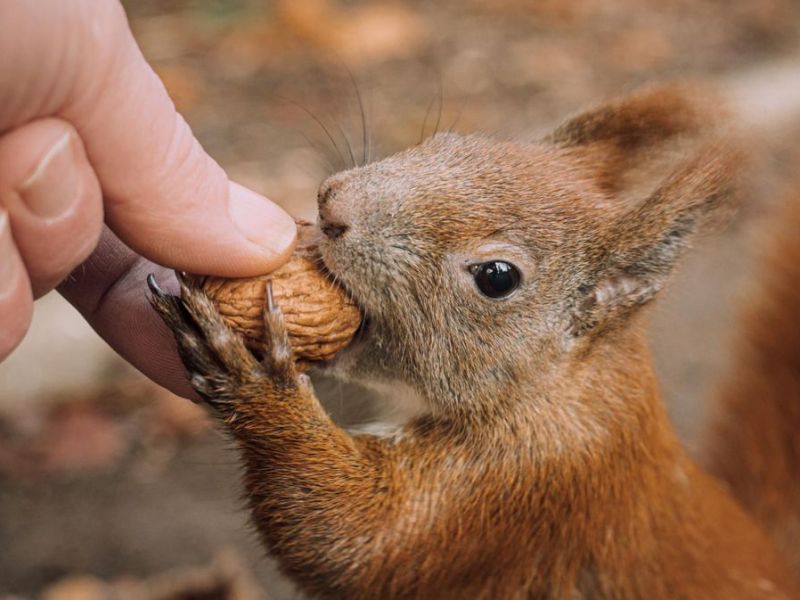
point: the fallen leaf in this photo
(77, 587)
(81, 439)
(357, 36)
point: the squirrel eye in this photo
(496, 278)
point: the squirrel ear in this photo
(643, 243)
(666, 166)
(631, 139)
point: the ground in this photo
(103, 474)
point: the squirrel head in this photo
(485, 265)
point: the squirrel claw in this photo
(218, 363)
(272, 306)
(170, 308)
(155, 289)
(278, 353)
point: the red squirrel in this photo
(504, 287)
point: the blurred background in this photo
(108, 483)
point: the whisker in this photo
(349, 145)
(425, 120)
(324, 128)
(441, 106)
(455, 121)
(365, 143)
(334, 278)
(323, 154)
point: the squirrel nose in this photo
(332, 230)
(329, 225)
(326, 191)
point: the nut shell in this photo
(321, 319)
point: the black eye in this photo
(496, 278)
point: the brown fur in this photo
(755, 444)
(543, 465)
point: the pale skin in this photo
(101, 181)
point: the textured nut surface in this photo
(320, 318)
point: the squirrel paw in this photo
(220, 367)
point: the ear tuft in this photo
(643, 118)
(628, 140)
(661, 194)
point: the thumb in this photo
(164, 196)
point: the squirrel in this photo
(505, 287)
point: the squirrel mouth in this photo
(356, 342)
(365, 327)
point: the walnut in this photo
(321, 319)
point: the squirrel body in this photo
(539, 462)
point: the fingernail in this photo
(52, 188)
(261, 221)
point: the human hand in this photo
(88, 134)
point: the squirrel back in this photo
(504, 287)
(754, 442)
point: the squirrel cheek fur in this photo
(544, 465)
(416, 222)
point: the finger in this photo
(166, 198)
(109, 290)
(16, 301)
(52, 198)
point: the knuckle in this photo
(52, 197)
